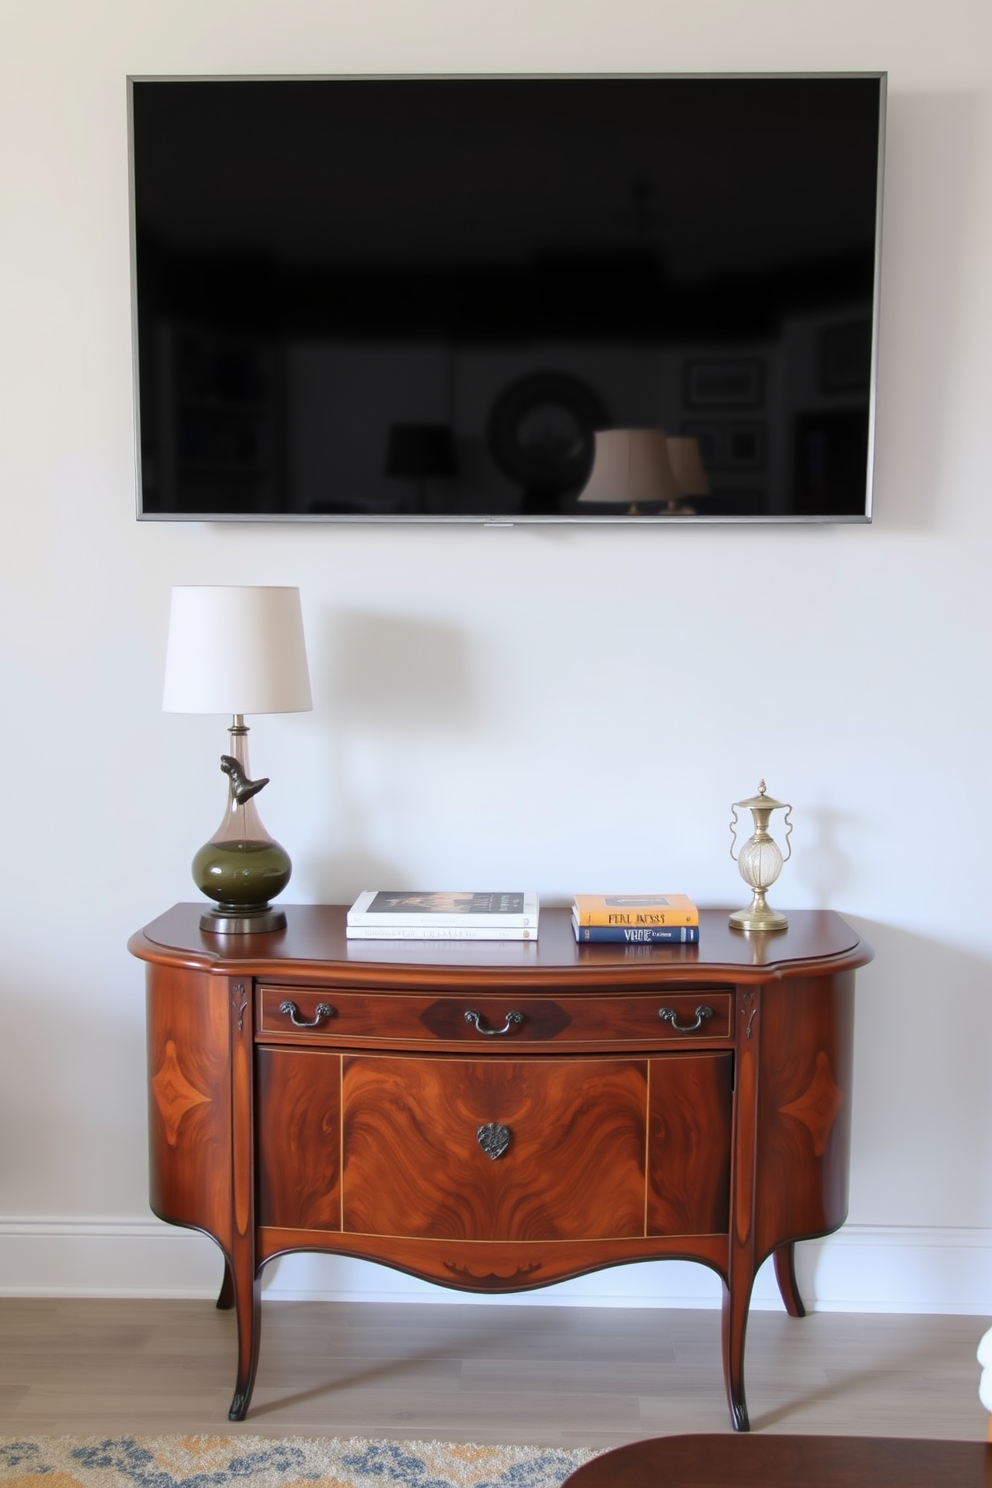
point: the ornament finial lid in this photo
(762, 801)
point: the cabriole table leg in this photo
(785, 1275)
(225, 1298)
(248, 1302)
(735, 1306)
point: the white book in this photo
(440, 932)
(461, 909)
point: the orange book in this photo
(634, 910)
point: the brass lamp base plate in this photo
(758, 919)
(243, 922)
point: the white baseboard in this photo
(863, 1268)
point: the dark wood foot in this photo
(225, 1299)
(735, 1307)
(239, 1406)
(785, 1275)
(248, 1302)
(738, 1416)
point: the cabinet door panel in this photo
(299, 1138)
(573, 1167)
(689, 1125)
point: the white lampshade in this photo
(631, 466)
(686, 461)
(236, 648)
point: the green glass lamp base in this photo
(242, 877)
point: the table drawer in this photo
(492, 1020)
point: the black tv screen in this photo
(486, 298)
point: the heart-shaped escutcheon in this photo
(493, 1139)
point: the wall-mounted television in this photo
(445, 299)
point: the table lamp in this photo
(686, 459)
(631, 468)
(238, 649)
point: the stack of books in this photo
(635, 919)
(408, 914)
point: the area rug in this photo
(264, 1462)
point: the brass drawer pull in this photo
(669, 1015)
(512, 1019)
(324, 1010)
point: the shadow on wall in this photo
(823, 867)
(389, 680)
(399, 675)
(74, 1107)
(932, 171)
(922, 1094)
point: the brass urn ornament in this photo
(760, 861)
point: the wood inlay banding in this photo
(174, 1094)
(819, 1105)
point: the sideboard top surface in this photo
(314, 944)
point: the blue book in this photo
(637, 934)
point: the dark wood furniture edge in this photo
(258, 955)
(597, 1255)
(784, 1461)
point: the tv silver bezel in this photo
(420, 519)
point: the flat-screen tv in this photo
(506, 299)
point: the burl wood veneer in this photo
(311, 1093)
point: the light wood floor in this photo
(541, 1375)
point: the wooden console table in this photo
(496, 1116)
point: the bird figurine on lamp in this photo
(238, 649)
(241, 787)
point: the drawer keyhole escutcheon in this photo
(323, 1010)
(493, 1138)
(512, 1019)
(669, 1015)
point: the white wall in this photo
(471, 685)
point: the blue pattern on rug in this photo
(22, 1454)
(129, 1458)
(387, 1461)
